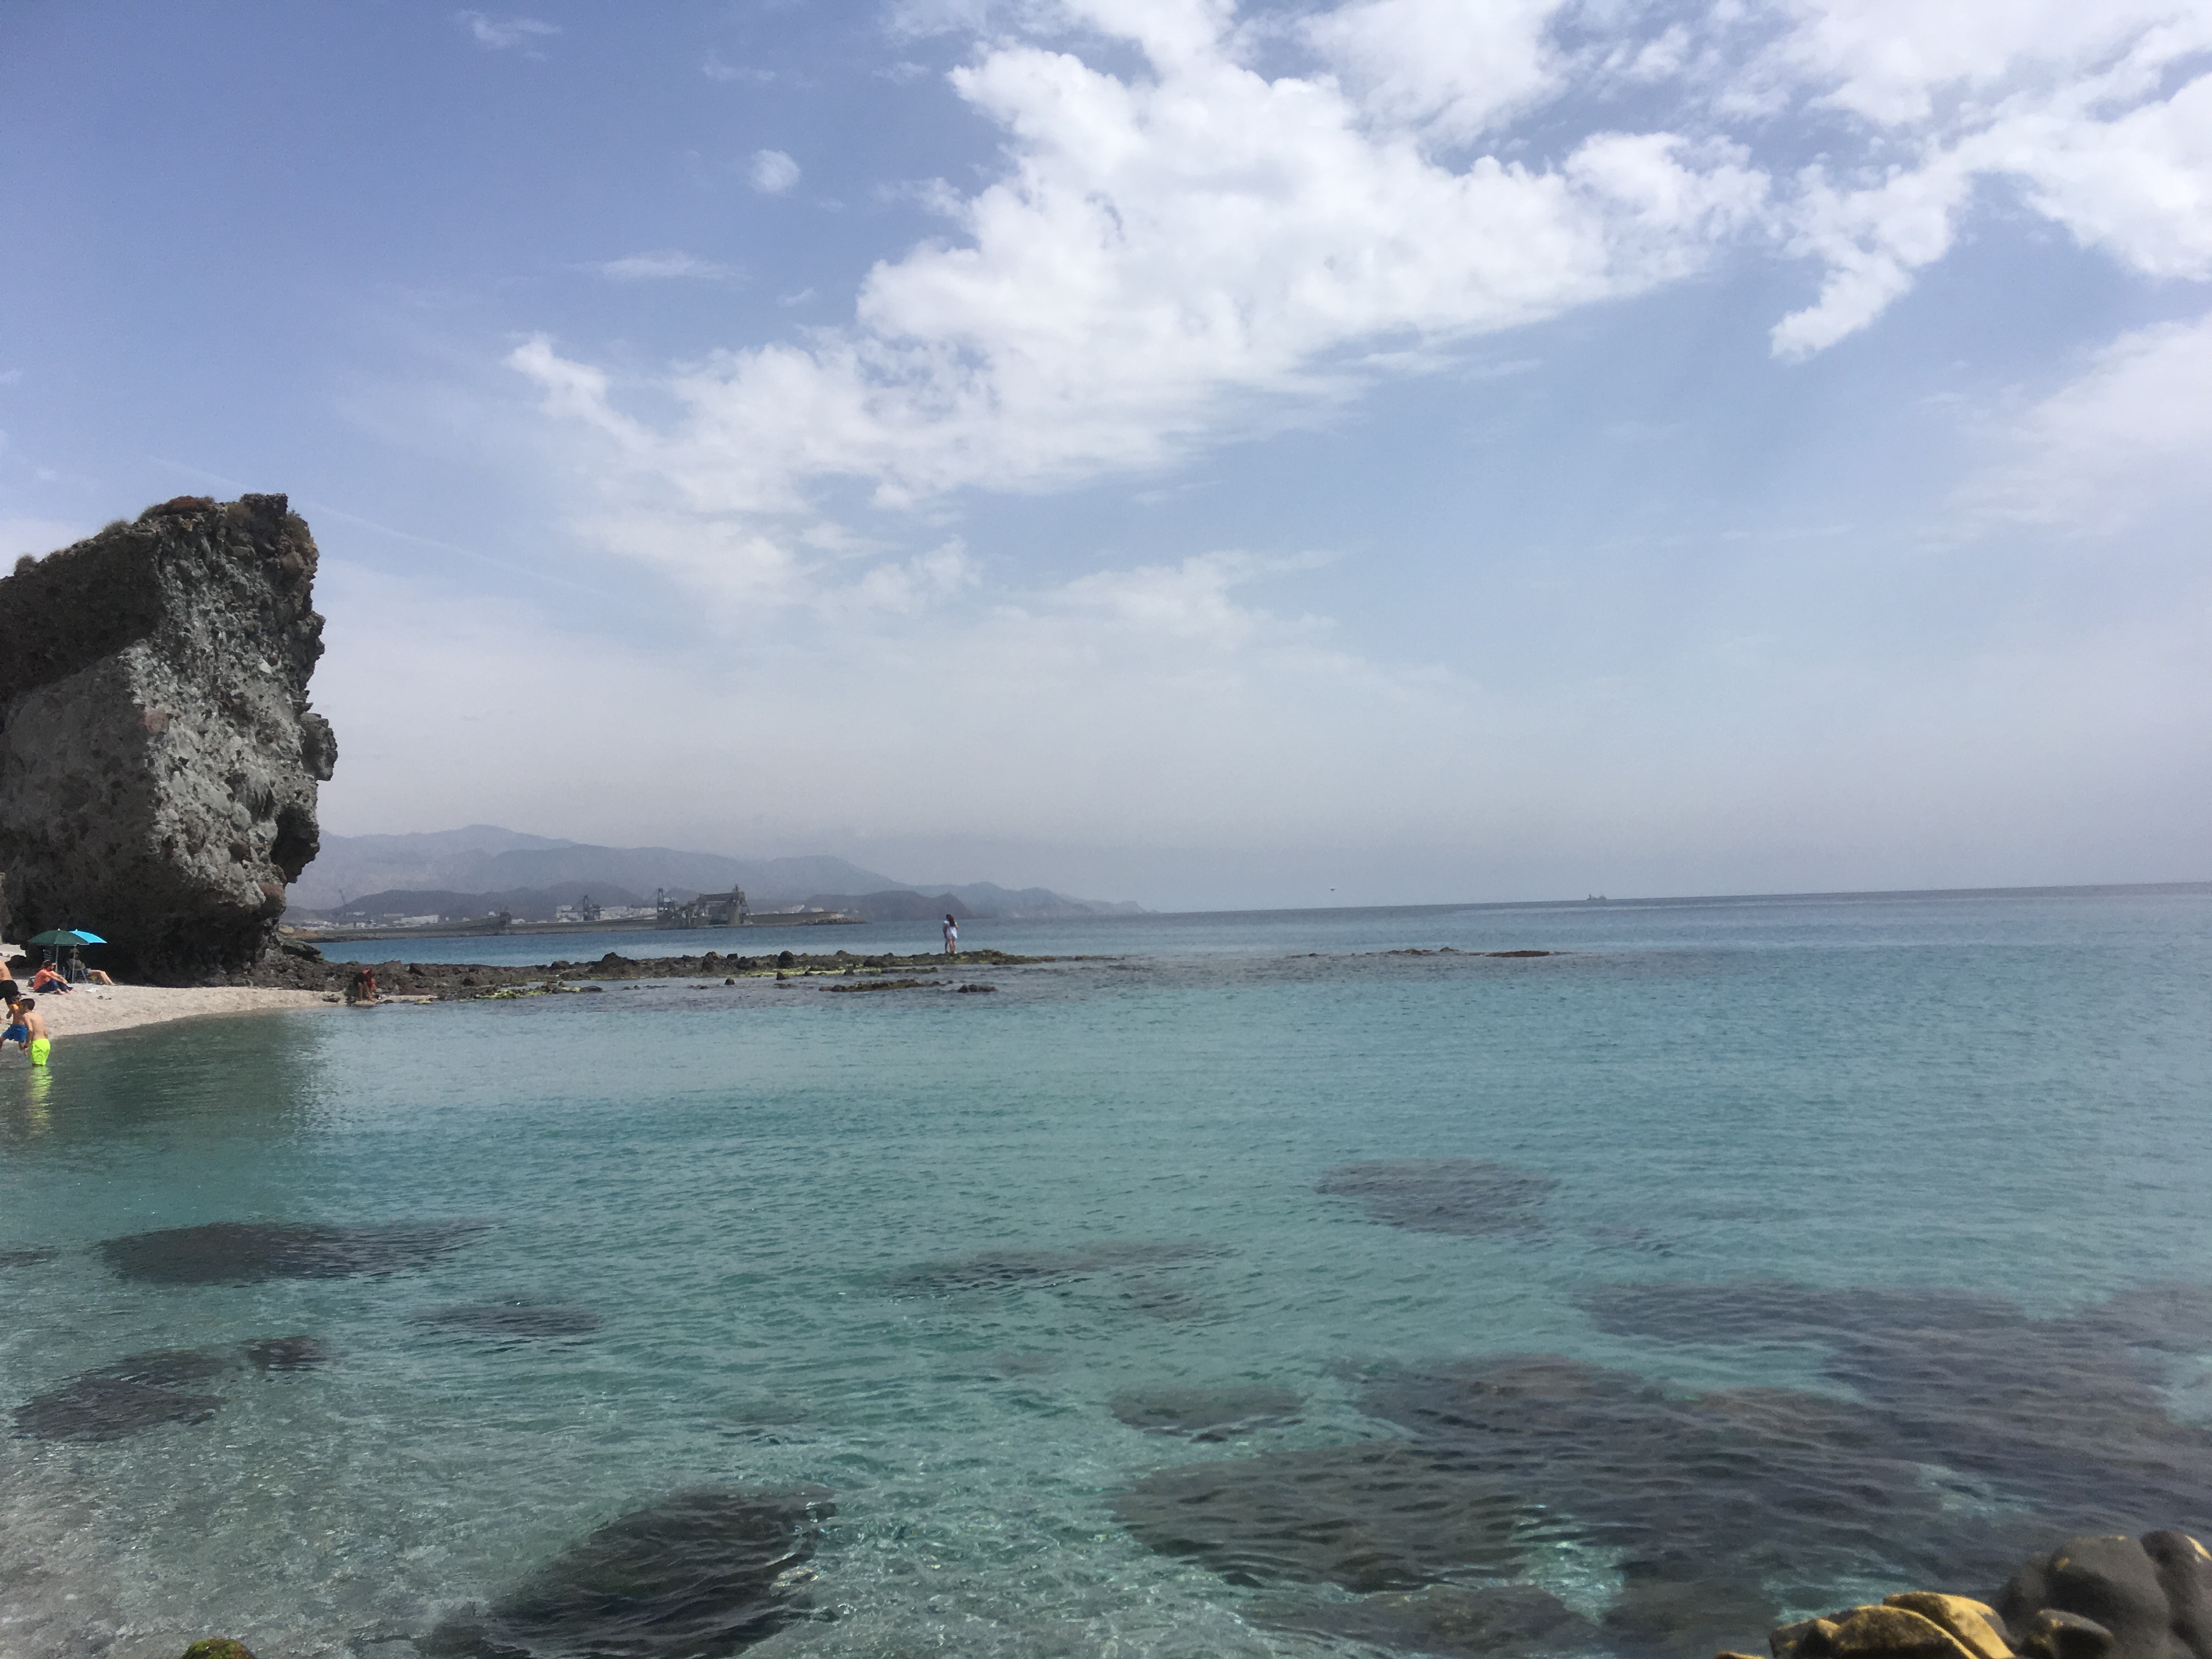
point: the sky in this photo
(1385, 451)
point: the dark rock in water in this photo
(695, 1576)
(164, 1368)
(514, 1322)
(138, 1392)
(990, 1270)
(158, 759)
(217, 1646)
(1207, 1414)
(247, 1252)
(1378, 1515)
(1503, 1620)
(2151, 1598)
(36, 1256)
(2066, 1417)
(1461, 1195)
(286, 1353)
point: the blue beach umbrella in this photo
(66, 935)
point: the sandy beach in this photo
(92, 1008)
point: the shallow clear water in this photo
(757, 1190)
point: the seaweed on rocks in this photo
(125, 1397)
(1462, 1195)
(1207, 1414)
(511, 1323)
(249, 1252)
(991, 1270)
(1378, 1515)
(696, 1575)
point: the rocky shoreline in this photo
(299, 967)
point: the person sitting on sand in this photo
(75, 971)
(48, 978)
(362, 991)
(33, 1025)
(951, 935)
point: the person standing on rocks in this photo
(951, 935)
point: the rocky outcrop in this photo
(2091, 1598)
(158, 759)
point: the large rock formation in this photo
(158, 759)
(2110, 1597)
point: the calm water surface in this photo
(1180, 1302)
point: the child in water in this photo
(29, 1031)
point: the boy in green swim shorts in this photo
(33, 1025)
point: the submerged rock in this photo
(1462, 1195)
(1207, 1414)
(695, 1576)
(36, 1255)
(2065, 1418)
(125, 1397)
(1377, 1515)
(158, 759)
(989, 1270)
(247, 1252)
(286, 1353)
(1503, 1620)
(514, 1322)
(217, 1646)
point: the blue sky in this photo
(1391, 450)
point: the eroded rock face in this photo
(158, 759)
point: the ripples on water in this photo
(1732, 1266)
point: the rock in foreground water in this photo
(158, 758)
(248, 1252)
(697, 1575)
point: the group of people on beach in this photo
(26, 1027)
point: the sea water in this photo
(919, 1248)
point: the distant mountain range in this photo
(483, 868)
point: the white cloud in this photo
(1449, 68)
(662, 264)
(717, 68)
(772, 172)
(2124, 439)
(1167, 258)
(9, 377)
(1189, 250)
(2088, 112)
(498, 34)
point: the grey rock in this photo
(2150, 1594)
(158, 758)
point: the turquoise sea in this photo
(1248, 1288)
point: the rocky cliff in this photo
(158, 759)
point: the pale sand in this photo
(91, 1008)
